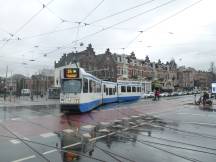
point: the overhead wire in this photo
(120, 12)
(120, 22)
(176, 129)
(176, 146)
(175, 141)
(106, 28)
(26, 23)
(92, 11)
(87, 24)
(172, 153)
(109, 154)
(164, 20)
(25, 143)
(172, 146)
(118, 155)
(128, 19)
(63, 149)
(32, 17)
(83, 21)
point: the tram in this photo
(82, 92)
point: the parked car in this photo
(147, 95)
(180, 93)
(184, 93)
(165, 94)
(174, 94)
(144, 95)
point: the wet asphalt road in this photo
(178, 132)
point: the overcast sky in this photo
(33, 36)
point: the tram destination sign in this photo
(71, 73)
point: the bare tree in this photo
(212, 68)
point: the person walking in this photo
(158, 94)
(205, 98)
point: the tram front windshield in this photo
(72, 86)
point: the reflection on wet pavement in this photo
(139, 131)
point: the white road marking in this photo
(68, 146)
(204, 115)
(46, 135)
(68, 130)
(15, 119)
(15, 141)
(24, 159)
(88, 127)
(205, 124)
(48, 152)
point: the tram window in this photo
(85, 85)
(110, 91)
(114, 90)
(123, 89)
(104, 88)
(98, 87)
(94, 87)
(128, 88)
(133, 89)
(107, 91)
(139, 89)
(90, 86)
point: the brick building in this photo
(102, 66)
(113, 67)
(186, 78)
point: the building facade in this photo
(102, 66)
(112, 67)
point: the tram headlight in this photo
(76, 101)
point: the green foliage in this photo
(156, 84)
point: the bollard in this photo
(103, 125)
(91, 129)
(85, 142)
(125, 121)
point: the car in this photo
(147, 95)
(174, 94)
(184, 93)
(144, 95)
(165, 94)
(180, 93)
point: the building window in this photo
(85, 85)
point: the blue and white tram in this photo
(81, 91)
(129, 90)
(109, 92)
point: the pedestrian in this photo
(158, 94)
(205, 98)
(155, 96)
(32, 97)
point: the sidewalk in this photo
(26, 101)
